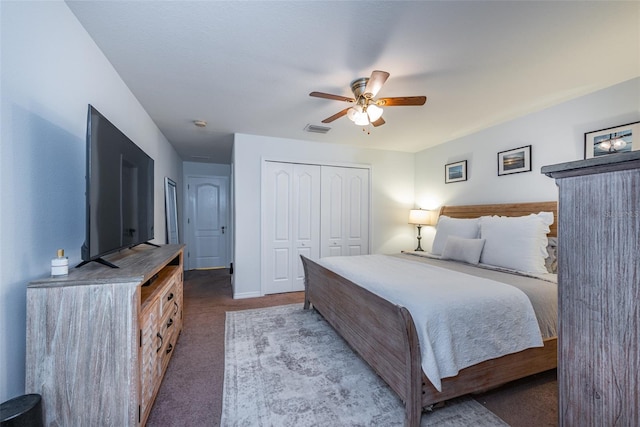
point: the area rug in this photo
(285, 366)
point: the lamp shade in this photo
(374, 112)
(420, 217)
(361, 119)
(353, 112)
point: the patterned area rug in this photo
(285, 366)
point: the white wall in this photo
(51, 70)
(391, 196)
(556, 135)
(205, 169)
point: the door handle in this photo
(223, 229)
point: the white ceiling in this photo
(248, 66)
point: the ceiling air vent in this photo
(316, 129)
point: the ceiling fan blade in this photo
(336, 116)
(378, 122)
(375, 83)
(401, 100)
(330, 96)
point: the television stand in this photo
(99, 340)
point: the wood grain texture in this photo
(76, 337)
(382, 333)
(599, 277)
(505, 209)
(138, 264)
(385, 336)
(84, 347)
(161, 323)
(492, 373)
(601, 164)
(149, 357)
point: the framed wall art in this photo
(455, 172)
(514, 161)
(619, 139)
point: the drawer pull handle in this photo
(176, 310)
(170, 322)
(169, 348)
(161, 339)
(170, 297)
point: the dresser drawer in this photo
(170, 324)
(170, 295)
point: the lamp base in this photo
(419, 248)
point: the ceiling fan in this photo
(368, 110)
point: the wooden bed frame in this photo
(384, 334)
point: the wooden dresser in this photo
(99, 340)
(599, 290)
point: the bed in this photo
(385, 336)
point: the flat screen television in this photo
(119, 194)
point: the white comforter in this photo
(461, 319)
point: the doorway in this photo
(207, 222)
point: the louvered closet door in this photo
(345, 211)
(291, 221)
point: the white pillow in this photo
(551, 262)
(459, 227)
(465, 250)
(519, 243)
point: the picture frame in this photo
(516, 160)
(613, 140)
(455, 172)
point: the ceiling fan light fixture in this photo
(366, 109)
(374, 112)
(353, 112)
(613, 144)
(605, 145)
(358, 115)
(619, 144)
(362, 120)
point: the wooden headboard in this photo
(507, 209)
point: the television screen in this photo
(119, 190)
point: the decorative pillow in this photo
(465, 250)
(551, 262)
(519, 243)
(459, 227)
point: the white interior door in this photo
(345, 211)
(291, 224)
(207, 225)
(306, 219)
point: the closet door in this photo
(291, 224)
(345, 211)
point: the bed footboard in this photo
(493, 373)
(382, 333)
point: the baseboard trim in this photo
(244, 295)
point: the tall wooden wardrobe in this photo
(311, 210)
(599, 290)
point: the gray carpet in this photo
(285, 366)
